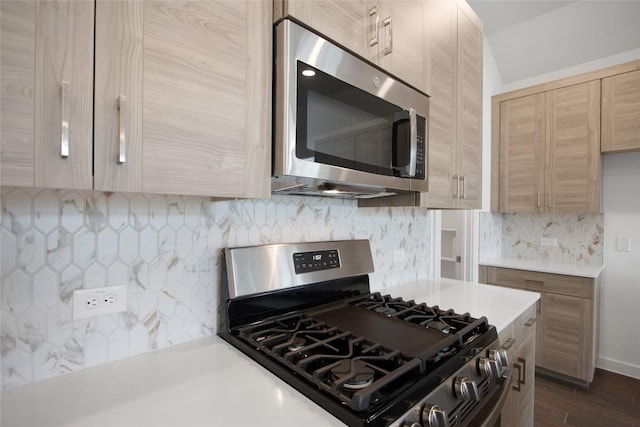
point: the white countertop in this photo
(209, 382)
(567, 269)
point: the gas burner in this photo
(439, 325)
(354, 374)
(386, 310)
(297, 344)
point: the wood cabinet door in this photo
(47, 93)
(207, 98)
(469, 108)
(566, 347)
(17, 79)
(522, 148)
(621, 112)
(401, 47)
(573, 171)
(346, 22)
(526, 359)
(442, 148)
(118, 95)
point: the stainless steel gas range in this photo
(306, 313)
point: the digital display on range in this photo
(306, 262)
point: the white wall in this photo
(620, 324)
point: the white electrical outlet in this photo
(548, 241)
(98, 301)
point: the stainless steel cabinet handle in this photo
(538, 202)
(530, 322)
(389, 48)
(122, 136)
(373, 12)
(463, 195)
(64, 119)
(456, 178)
(549, 199)
(535, 282)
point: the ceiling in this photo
(531, 38)
(498, 15)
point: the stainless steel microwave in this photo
(343, 127)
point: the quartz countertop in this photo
(567, 269)
(207, 382)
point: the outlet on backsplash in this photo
(97, 301)
(548, 241)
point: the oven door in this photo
(340, 119)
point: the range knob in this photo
(500, 356)
(466, 389)
(489, 368)
(434, 416)
(502, 360)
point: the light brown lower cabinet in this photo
(519, 340)
(567, 319)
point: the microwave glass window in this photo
(341, 125)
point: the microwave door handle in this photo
(413, 124)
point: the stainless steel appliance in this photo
(343, 127)
(305, 312)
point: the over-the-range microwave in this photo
(343, 127)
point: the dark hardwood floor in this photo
(612, 400)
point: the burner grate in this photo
(431, 317)
(357, 371)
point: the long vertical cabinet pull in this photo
(64, 119)
(122, 127)
(463, 194)
(456, 178)
(549, 199)
(538, 200)
(524, 370)
(517, 386)
(389, 47)
(373, 14)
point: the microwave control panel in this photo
(422, 148)
(306, 262)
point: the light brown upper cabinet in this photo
(547, 139)
(455, 110)
(388, 33)
(47, 93)
(182, 95)
(549, 151)
(621, 112)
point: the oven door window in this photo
(341, 125)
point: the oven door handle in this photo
(492, 417)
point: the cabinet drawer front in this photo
(542, 282)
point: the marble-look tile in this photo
(166, 249)
(489, 235)
(580, 237)
(46, 211)
(72, 211)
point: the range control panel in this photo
(306, 262)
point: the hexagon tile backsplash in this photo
(166, 250)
